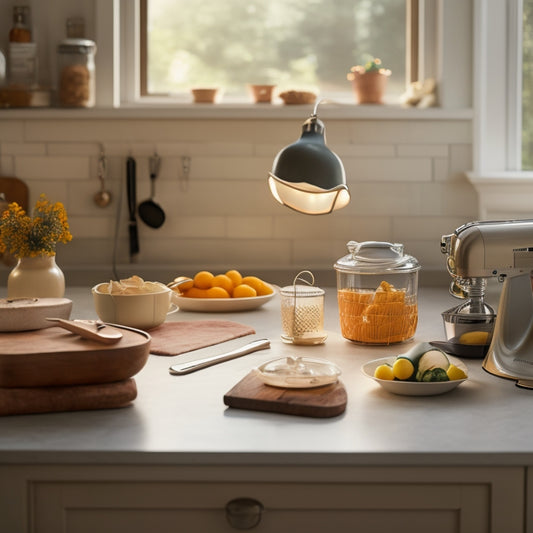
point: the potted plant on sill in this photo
(369, 81)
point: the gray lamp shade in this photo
(307, 176)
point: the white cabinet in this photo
(190, 499)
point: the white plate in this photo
(413, 388)
(221, 305)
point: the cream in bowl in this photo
(133, 302)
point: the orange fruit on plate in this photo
(203, 279)
(261, 288)
(244, 291)
(223, 281)
(235, 277)
(195, 292)
(217, 292)
(184, 286)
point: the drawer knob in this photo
(244, 513)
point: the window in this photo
(527, 86)
(294, 44)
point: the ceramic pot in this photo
(369, 87)
(262, 94)
(205, 96)
(36, 277)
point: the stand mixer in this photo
(503, 250)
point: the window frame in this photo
(503, 188)
(118, 86)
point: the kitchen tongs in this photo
(192, 366)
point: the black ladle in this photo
(151, 212)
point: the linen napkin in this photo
(174, 338)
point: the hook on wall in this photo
(183, 176)
(103, 197)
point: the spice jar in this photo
(76, 73)
(302, 312)
(377, 286)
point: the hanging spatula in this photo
(131, 176)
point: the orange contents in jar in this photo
(384, 316)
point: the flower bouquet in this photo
(32, 240)
(30, 236)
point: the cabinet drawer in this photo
(81, 499)
(199, 508)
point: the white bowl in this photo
(413, 388)
(141, 311)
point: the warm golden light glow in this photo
(306, 198)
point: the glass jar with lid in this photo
(76, 83)
(302, 311)
(377, 291)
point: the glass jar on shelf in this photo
(76, 83)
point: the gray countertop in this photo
(183, 420)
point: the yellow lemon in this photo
(402, 369)
(474, 337)
(203, 279)
(235, 276)
(223, 281)
(455, 373)
(384, 372)
(244, 291)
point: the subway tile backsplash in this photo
(406, 179)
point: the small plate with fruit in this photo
(229, 292)
(422, 371)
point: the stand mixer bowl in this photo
(468, 328)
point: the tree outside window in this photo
(294, 44)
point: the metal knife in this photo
(193, 366)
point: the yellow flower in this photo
(25, 236)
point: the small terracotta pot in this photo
(262, 94)
(204, 96)
(369, 87)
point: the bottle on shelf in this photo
(20, 31)
(22, 52)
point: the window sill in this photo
(503, 195)
(242, 111)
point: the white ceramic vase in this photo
(36, 277)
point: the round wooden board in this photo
(54, 356)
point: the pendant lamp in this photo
(307, 176)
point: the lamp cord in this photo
(326, 101)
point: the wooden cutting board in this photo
(318, 402)
(56, 357)
(15, 190)
(31, 400)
